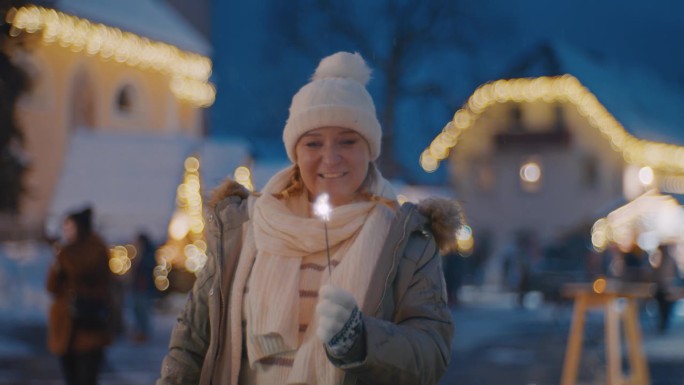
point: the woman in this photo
(79, 280)
(265, 310)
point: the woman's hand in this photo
(334, 308)
(339, 320)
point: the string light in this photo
(665, 158)
(243, 176)
(120, 258)
(188, 72)
(186, 246)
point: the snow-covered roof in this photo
(130, 180)
(154, 19)
(648, 106)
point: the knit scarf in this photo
(356, 232)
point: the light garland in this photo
(189, 72)
(651, 214)
(243, 176)
(663, 157)
(186, 246)
(190, 201)
(120, 258)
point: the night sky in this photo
(257, 69)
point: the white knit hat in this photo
(335, 96)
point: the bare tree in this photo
(399, 38)
(13, 82)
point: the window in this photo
(590, 172)
(83, 106)
(125, 100)
(531, 175)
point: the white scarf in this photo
(282, 239)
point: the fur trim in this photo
(226, 189)
(445, 217)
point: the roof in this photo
(131, 179)
(154, 19)
(647, 106)
(638, 111)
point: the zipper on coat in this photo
(394, 261)
(354, 380)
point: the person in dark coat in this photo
(143, 288)
(664, 276)
(79, 274)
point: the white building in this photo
(125, 66)
(560, 139)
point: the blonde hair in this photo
(296, 186)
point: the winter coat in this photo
(408, 326)
(80, 268)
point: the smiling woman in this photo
(356, 298)
(333, 160)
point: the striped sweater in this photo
(275, 369)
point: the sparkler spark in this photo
(322, 207)
(322, 210)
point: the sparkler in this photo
(322, 210)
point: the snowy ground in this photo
(24, 358)
(23, 268)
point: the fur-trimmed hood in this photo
(226, 189)
(444, 215)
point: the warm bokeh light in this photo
(191, 164)
(530, 172)
(600, 235)
(186, 247)
(243, 176)
(464, 240)
(646, 176)
(179, 226)
(120, 257)
(599, 285)
(188, 72)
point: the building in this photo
(129, 66)
(557, 142)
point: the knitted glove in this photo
(339, 320)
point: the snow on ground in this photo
(23, 269)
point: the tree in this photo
(401, 39)
(13, 82)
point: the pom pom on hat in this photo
(336, 96)
(343, 65)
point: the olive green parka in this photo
(408, 326)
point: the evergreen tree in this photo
(13, 82)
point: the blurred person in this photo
(478, 261)
(142, 287)
(635, 264)
(453, 264)
(519, 260)
(664, 277)
(265, 309)
(80, 282)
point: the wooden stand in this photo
(603, 295)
